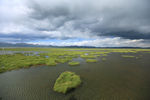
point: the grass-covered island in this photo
(66, 81)
(91, 60)
(74, 63)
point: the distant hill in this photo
(2, 44)
(36, 45)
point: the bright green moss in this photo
(73, 63)
(66, 81)
(91, 60)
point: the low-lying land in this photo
(53, 56)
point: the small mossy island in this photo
(91, 60)
(74, 63)
(66, 81)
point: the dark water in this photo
(117, 78)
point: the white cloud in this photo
(101, 42)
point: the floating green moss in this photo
(91, 60)
(66, 81)
(73, 63)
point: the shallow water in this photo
(117, 78)
(27, 53)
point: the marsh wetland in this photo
(106, 74)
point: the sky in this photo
(100, 23)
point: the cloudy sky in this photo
(101, 23)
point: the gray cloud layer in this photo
(63, 19)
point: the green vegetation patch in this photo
(66, 81)
(91, 60)
(10, 62)
(51, 62)
(53, 56)
(87, 56)
(2, 70)
(128, 56)
(73, 63)
(103, 59)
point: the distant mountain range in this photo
(19, 45)
(2, 44)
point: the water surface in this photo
(117, 78)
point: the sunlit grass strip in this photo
(91, 60)
(87, 56)
(66, 81)
(74, 63)
(128, 56)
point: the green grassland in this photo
(55, 56)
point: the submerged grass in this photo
(66, 81)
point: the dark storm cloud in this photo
(128, 35)
(122, 18)
(64, 19)
(40, 12)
